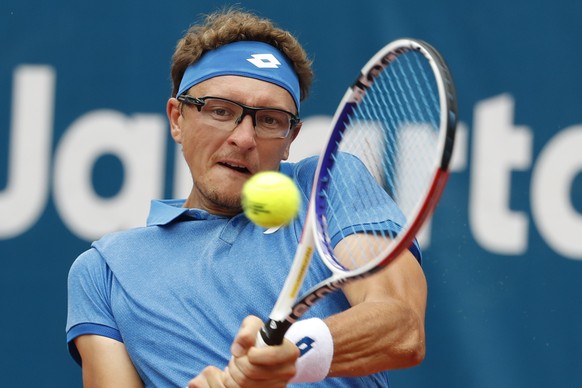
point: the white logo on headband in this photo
(264, 61)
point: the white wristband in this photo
(313, 338)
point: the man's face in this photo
(221, 161)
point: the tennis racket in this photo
(390, 146)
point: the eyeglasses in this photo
(225, 114)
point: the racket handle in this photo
(272, 333)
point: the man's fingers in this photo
(273, 355)
(210, 377)
(251, 366)
(242, 373)
(246, 336)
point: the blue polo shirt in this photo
(175, 291)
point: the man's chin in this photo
(225, 204)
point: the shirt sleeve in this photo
(89, 302)
(360, 205)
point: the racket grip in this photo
(272, 333)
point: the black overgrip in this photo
(273, 332)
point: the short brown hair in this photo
(232, 25)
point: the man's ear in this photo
(174, 112)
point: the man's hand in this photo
(271, 366)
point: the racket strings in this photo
(383, 95)
(430, 90)
(354, 250)
(393, 131)
(416, 128)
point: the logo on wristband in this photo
(304, 345)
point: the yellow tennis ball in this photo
(270, 199)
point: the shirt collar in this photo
(164, 212)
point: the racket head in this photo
(399, 120)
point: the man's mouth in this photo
(237, 167)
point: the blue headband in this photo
(248, 59)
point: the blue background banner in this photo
(84, 145)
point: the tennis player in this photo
(177, 302)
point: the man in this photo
(158, 305)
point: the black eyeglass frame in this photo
(199, 102)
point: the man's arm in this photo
(106, 363)
(384, 328)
